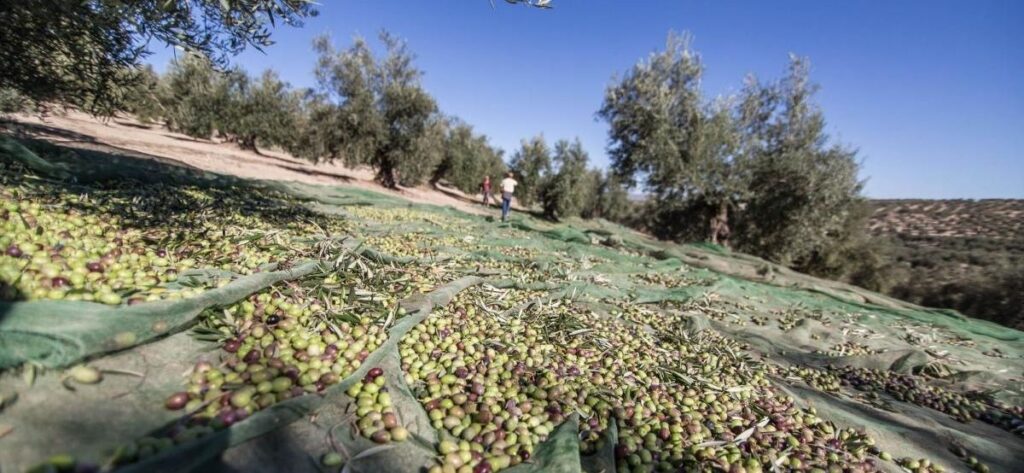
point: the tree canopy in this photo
(384, 117)
(672, 142)
(757, 169)
(531, 165)
(803, 189)
(571, 189)
(197, 95)
(84, 52)
(467, 159)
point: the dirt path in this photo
(76, 129)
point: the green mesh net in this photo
(807, 329)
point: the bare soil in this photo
(79, 130)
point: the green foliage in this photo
(467, 159)
(762, 158)
(11, 101)
(804, 191)
(143, 97)
(611, 200)
(957, 254)
(197, 99)
(76, 52)
(855, 256)
(318, 128)
(197, 95)
(264, 112)
(415, 163)
(385, 117)
(531, 165)
(571, 190)
(682, 146)
(996, 294)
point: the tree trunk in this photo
(248, 144)
(387, 176)
(719, 226)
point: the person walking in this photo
(486, 186)
(508, 187)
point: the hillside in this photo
(961, 254)
(124, 135)
(159, 314)
(995, 219)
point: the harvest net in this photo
(260, 326)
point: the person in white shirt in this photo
(508, 187)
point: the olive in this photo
(331, 459)
(85, 374)
(59, 281)
(177, 401)
(251, 357)
(232, 346)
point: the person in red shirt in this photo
(486, 186)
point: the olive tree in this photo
(668, 139)
(570, 189)
(197, 95)
(262, 112)
(531, 165)
(384, 117)
(758, 168)
(804, 190)
(318, 130)
(611, 199)
(77, 51)
(143, 98)
(467, 159)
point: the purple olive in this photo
(59, 281)
(374, 373)
(177, 401)
(227, 417)
(14, 251)
(94, 267)
(252, 357)
(329, 378)
(231, 346)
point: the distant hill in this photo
(958, 253)
(986, 218)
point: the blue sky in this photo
(931, 92)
